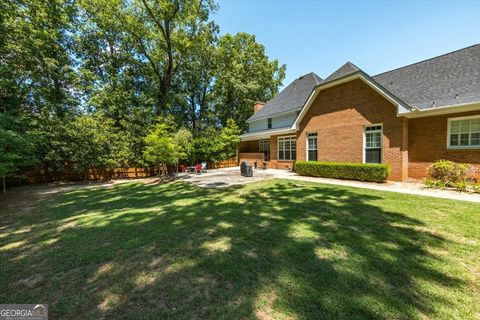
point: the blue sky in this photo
(377, 36)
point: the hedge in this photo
(338, 170)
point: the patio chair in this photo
(204, 167)
(198, 169)
(182, 168)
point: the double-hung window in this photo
(312, 146)
(373, 144)
(464, 133)
(287, 148)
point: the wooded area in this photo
(104, 84)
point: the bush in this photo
(461, 186)
(435, 184)
(476, 188)
(352, 171)
(430, 183)
(448, 172)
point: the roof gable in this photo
(401, 106)
(290, 99)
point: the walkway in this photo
(231, 176)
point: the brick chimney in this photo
(258, 106)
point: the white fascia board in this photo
(465, 107)
(265, 134)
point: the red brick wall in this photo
(274, 162)
(248, 150)
(339, 115)
(428, 142)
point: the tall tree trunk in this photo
(194, 116)
(4, 185)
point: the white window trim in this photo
(449, 126)
(278, 147)
(306, 145)
(364, 145)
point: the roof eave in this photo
(457, 108)
(265, 134)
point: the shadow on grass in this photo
(272, 250)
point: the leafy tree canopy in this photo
(83, 84)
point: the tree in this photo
(16, 151)
(196, 78)
(37, 74)
(159, 32)
(160, 147)
(96, 144)
(244, 75)
(217, 145)
(227, 142)
(85, 81)
(183, 140)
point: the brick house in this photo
(408, 117)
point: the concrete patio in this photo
(225, 177)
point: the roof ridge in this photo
(345, 69)
(422, 61)
(353, 64)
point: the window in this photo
(464, 133)
(312, 146)
(269, 123)
(264, 147)
(373, 144)
(287, 148)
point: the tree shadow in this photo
(277, 249)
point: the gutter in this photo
(265, 134)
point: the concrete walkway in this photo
(231, 176)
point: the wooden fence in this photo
(232, 162)
(40, 175)
(68, 174)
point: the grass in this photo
(269, 250)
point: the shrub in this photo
(448, 172)
(461, 186)
(430, 183)
(476, 188)
(352, 171)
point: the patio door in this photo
(264, 147)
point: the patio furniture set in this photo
(198, 169)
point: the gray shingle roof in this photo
(449, 79)
(346, 69)
(292, 98)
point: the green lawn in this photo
(269, 250)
